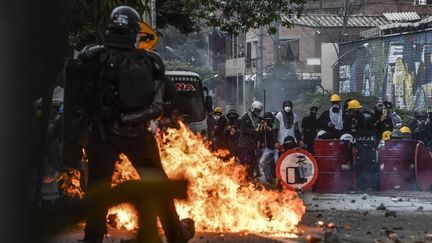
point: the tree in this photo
(233, 16)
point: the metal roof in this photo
(402, 16)
(333, 21)
(182, 73)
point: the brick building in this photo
(311, 46)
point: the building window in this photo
(289, 50)
(422, 2)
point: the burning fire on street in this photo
(220, 198)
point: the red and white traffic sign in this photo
(297, 169)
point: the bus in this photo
(192, 99)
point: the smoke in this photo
(281, 83)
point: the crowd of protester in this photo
(258, 141)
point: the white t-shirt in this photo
(282, 131)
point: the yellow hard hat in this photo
(405, 130)
(386, 135)
(218, 110)
(354, 104)
(335, 98)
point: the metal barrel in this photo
(397, 160)
(334, 165)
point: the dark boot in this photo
(93, 238)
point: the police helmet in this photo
(124, 20)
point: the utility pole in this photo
(345, 13)
(259, 71)
(276, 47)
(153, 14)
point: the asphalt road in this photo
(379, 217)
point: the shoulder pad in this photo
(157, 62)
(90, 51)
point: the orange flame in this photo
(69, 184)
(220, 197)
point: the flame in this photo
(220, 197)
(123, 215)
(69, 183)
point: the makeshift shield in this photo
(297, 169)
(423, 167)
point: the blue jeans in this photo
(267, 165)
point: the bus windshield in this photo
(190, 97)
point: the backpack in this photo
(127, 80)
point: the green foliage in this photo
(178, 65)
(235, 16)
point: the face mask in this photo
(380, 107)
(256, 112)
(335, 109)
(313, 114)
(287, 109)
(216, 117)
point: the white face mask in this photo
(216, 117)
(287, 108)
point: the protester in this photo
(267, 140)
(355, 119)
(332, 120)
(381, 122)
(389, 112)
(219, 123)
(310, 125)
(421, 126)
(231, 134)
(286, 124)
(249, 138)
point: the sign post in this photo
(148, 37)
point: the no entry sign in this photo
(297, 169)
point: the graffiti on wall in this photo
(395, 68)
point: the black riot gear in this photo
(123, 27)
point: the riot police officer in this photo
(124, 89)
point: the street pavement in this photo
(351, 217)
